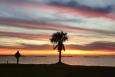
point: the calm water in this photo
(93, 61)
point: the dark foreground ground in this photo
(54, 70)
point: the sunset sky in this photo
(27, 25)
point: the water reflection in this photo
(79, 60)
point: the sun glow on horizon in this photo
(89, 53)
(55, 52)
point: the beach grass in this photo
(54, 70)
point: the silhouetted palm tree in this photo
(58, 38)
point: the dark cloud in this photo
(75, 4)
(106, 9)
(97, 5)
(101, 45)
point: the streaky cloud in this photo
(98, 5)
(29, 47)
(44, 26)
(99, 45)
(25, 36)
(77, 4)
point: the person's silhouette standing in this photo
(17, 55)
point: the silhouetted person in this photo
(17, 55)
(58, 38)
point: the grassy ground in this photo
(54, 70)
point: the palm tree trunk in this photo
(59, 56)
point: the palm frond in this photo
(59, 36)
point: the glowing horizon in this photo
(55, 52)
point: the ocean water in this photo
(74, 60)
